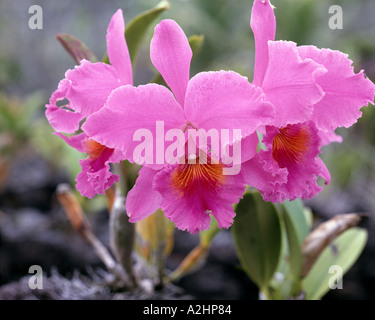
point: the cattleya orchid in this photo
(82, 92)
(314, 91)
(187, 191)
(298, 97)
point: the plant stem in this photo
(83, 227)
(122, 237)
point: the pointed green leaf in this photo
(257, 237)
(295, 230)
(153, 235)
(281, 284)
(196, 44)
(295, 261)
(136, 29)
(286, 282)
(343, 252)
(76, 48)
(295, 211)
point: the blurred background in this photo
(33, 228)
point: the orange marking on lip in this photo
(188, 177)
(290, 144)
(93, 149)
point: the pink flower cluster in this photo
(298, 97)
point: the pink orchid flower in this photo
(314, 91)
(187, 192)
(82, 92)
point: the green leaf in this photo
(153, 234)
(343, 252)
(294, 254)
(257, 237)
(323, 235)
(286, 282)
(137, 27)
(295, 211)
(196, 44)
(76, 48)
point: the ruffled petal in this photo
(191, 211)
(263, 24)
(75, 141)
(289, 83)
(302, 182)
(298, 154)
(171, 55)
(222, 202)
(324, 172)
(90, 84)
(226, 100)
(96, 176)
(117, 48)
(327, 137)
(62, 118)
(345, 92)
(264, 174)
(142, 200)
(135, 115)
(187, 213)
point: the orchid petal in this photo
(327, 137)
(290, 83)
(75, 141)
(263, 24)
(192, 211)
(96, 176)
(142, 200)
(296, 154)
(171, 55)
(90, 85)
(132, 110)
(61, 118)
(117, 48)
(345, 91)
(324, 172)
(226, 100)
(263, 173)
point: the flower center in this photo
(93, 149)
(187, 177)
(290, 144)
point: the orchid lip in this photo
(199, 177)
(290, 145)
(93, 148)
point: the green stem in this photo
(124, 178)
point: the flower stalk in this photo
(122, 237)
(82, 226)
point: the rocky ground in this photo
(35, 231)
